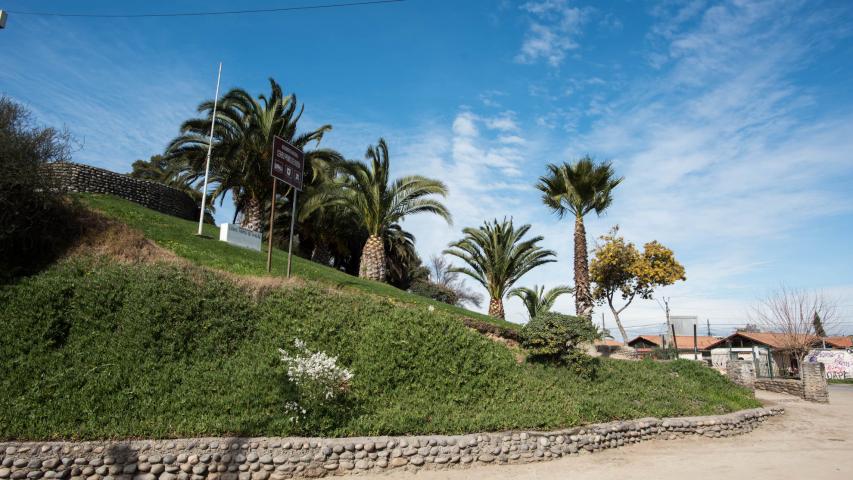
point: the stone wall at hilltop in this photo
(79, 178)
(283, 458)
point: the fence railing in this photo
(767, 367)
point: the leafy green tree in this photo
(37, 222)
(578, 189)
(620, 269)
(537, 300)
(379, 203)
(157, 169)
(242, 146)
(818, 325)
(175, 173)
(497, 257)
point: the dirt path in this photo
(809, 441)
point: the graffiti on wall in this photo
(838, 363)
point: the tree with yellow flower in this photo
(619, 269)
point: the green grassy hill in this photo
(178, 236)
(94, 348)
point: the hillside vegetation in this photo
(91, 349)
(177, 235)
(97, 348)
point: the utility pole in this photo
(3, 17)
(708, 322)
(665, 307)
(695, 344)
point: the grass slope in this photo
(92, 348)
(178, 236)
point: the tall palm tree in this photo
(578, 189)
(242, 146)
(497, 257)
(379, 203)
(537, 300)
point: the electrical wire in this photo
(201, 14)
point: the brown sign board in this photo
(288, 163)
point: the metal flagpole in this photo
(290, 244)
(209, 148)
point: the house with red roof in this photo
(770, 350)
(646, 344)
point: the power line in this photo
(202, 14)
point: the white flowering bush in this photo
(317, 376)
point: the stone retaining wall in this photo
(814, 382)
(811, 387)
(282, 458)
(741, 372)
(780, 385)
(75, 177)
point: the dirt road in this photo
(809, 441)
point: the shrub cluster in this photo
(320, 384)
(554, 337)
(434, 291)
(36, 222)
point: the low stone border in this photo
(282, 458)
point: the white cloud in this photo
(511, 140)
(724, 153)
(480, 163)
(463, 125)
(64, 65)
(552, 31)
(503, 122)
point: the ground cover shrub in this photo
(97, 349)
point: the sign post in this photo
(272, 222)
(288, 165)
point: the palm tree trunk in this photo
(252, 215)
(496, 308)
(583, 298)
(373, 265)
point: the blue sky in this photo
(731, 121)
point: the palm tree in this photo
(403, 265)
(537, 300)
(579, 189)
(497, 257)
(242, 146)
(379, 203)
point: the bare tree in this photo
(790, 313)
(441, 274)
